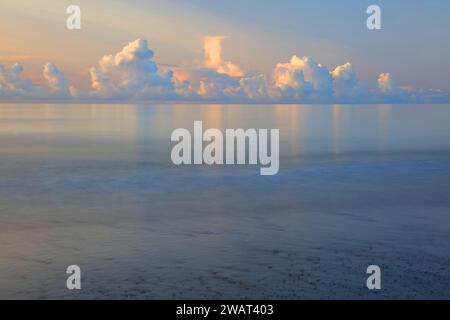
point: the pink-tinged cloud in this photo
(386, 83)
(212, 47)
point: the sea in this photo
(94, 186)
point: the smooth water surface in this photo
(93, 185)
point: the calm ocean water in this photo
(93, 185)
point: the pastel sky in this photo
(259, 50)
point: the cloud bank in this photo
(131, 75)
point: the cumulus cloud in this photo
(386, 84)
(303, 78)
(212, 47)
(12, 85)
(55, 80)
(255, 87)
(390, 91)
(202, 83)
(131, 74)
(344, 80)
(214, 80)
(216, 86)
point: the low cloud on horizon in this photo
(131, 75)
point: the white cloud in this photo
(56, 81)
(344, 80)
(303, 78)
(12, 85)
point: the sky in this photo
(243, 51)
